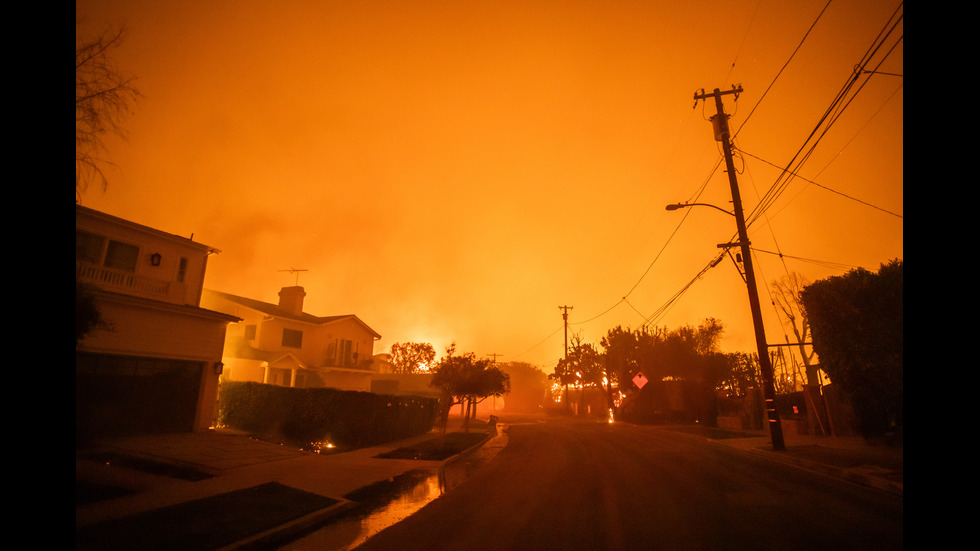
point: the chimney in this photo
(291, 300)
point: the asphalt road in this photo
(573, 485)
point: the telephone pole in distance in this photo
(564, 317)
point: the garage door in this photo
(129, 395)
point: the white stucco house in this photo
(278, 343)
(153, 365)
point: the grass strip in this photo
(431, 450)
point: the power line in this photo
(662, 311)
(824, 263)
(540, 343)
(832, 114)
(694, 198)
(783, 68)
(821, 186)
(830, 117)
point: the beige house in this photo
(153, 365)
(282, 345)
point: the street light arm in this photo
(676, 206)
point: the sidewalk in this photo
(202, 475)
(176, 472)
(848, 458)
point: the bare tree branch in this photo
(103, 97)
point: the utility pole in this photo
(564, 317)
(723, 134)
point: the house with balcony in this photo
(152, 365)
(278, 343)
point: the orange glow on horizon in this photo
(453, 172)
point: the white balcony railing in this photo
(117, 280)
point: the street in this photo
(568, 485)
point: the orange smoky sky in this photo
(456, 171)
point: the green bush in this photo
(347, 419)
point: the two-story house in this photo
(282, 345)
(152, 366)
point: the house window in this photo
(250, 332)
(121, 256)
(182, 269)
(96, 249)
(292, 338)
(88, 247)
(340, 353)
(348, 359)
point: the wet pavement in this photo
(371, 493)
(387, 503)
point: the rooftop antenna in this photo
(295, 271)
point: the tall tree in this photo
(621, 348)
(588, 366)
(786, 296)
(412, 357)
(103, 96)
(857, 325)
(684, 353)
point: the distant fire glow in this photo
(460, 228)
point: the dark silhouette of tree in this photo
(687, 352)
(688, 356)
(87, 314)
(856, 321)
(103, 96)
(584, 366)
(410, 357)
(621, 348)
(743, 374)
(466, 379)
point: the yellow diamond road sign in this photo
(639, 380)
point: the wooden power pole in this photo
(723, 134)
(564, 317)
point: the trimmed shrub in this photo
(348, 419)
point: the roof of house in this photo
(274, 310)
(80, 210)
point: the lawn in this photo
(431, 450)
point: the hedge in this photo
(348, 419)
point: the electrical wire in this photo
(830, 117)
(662, 311)
(544, 340)
(823, 263)
(783, 68)
(832, 114)
(821, 186)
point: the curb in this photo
(864, 476)
(868, 476)
(465, 452)
(286, 532)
